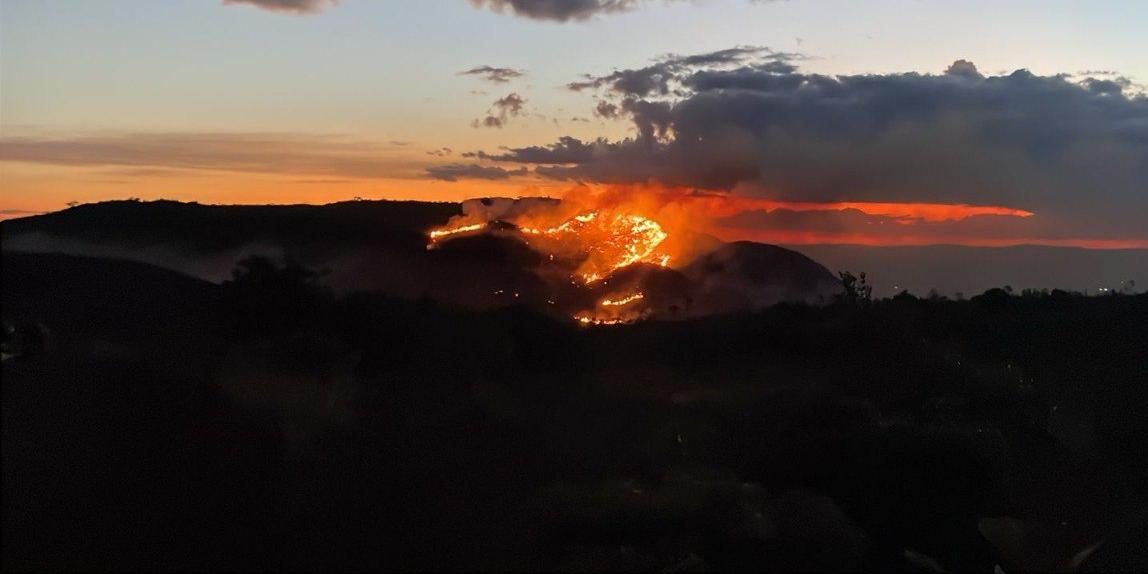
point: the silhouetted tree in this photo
(994, 298)
(905, 296)
(857, 287)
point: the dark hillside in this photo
(267, 423)
(209, 229)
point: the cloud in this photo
(491, 74)
(290, 6)
(606, 110)
(501, 111)
(570, 10)
(237, 152)
(1073, 152)
(964, 68)
(557, 10)
(511, 104)
(568, 150)
(455, 172)
(662, 77)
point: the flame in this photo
(623, 301)
(591, 320)
(437, 234)
(610, 240)
(611, 314)
(595, 230)
(583, 239)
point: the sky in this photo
(877, 122)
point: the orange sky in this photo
(224, 104)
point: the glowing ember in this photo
(622, 301)
(588, 320)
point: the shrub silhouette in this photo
(857, 288)
(263, 297)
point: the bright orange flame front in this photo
(437, 234)
(623, 301)
(610, 239)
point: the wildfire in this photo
(588, 320)
(584, 240)
(623, 301)
(610, 317)
(611, 241)
(437, 234)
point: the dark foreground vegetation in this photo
(151, 420)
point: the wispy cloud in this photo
(238, 152)
(455, 172)
(501, 111)
(492, 74)
(289, 6)
(569, 10)
(557, 10)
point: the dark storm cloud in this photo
(653, 119)
(294, 6)
(492, 74)
(455, 172)
(1061, 148)
(557, 10)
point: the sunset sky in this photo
(798, 121)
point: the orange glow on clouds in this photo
(717, 205)
(685, 211)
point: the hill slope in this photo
(381, 246)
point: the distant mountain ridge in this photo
(381, 246)
(214, 228)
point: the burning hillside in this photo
(603, 240)
(598, 242)
(608, 241)
(608, 261)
